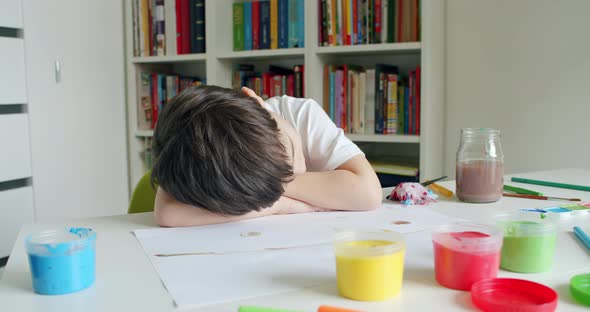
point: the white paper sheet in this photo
(243, 268)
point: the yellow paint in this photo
(369, 277)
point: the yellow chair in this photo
(144, 196)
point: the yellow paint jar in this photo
(369, 264)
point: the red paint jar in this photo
(465, 253)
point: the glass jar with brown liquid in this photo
(480, 166)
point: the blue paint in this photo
(557, 210)
(62, 262)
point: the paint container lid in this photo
(510, 294)
(59, 242)
(367, 243)
(523, 224)
(468, 237)
(580, 288)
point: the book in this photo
(238, 25)
(362, 79)
(330, 22)
(395, 165)
(370, 102)
(391, 19)
(135, 15)
(381, 70)
(255, 24)
(159, 22)
(332, 111)
(392, 104)
(144, 39)
(274, 24)
(301, 23)
(247, 25)
(417, 97)
(298, 76)
(198, 38)
(292, 29)
(170, 26)
(283, 24)
(264, 25)
(144, 107)
(183, 26)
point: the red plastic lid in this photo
(510, 294)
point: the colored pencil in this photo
(426, 183)
(582, 236)
(441, 190)
(553, 184)
(520, 190)
(539, 197)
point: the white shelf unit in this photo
(16, 191)
(216, 66)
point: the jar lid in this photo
(511, 294)
(367, 243)
(468, 237)
(580, 288)
(521, 224)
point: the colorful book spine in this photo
(135, 15)
(185, 27)
(377, 21)
(292, 29)
(350, 25)
(264, 25)
(154, 99)
(170, 26)
(417, 96)
(339, 30)
(338, 99)
(198, 39)
(406, 110)
(283, 23)
(274, 24)
(238, 25)
(391, 20)
(360, 21)
(144, 107)
(323, 22)
(247, 25)
(370, 102)
(298, 76)
(362, 79)
(392, 103)
(255, 24)
(160, 31)
(301, 23)
(330, 22)
(332, 111)
(401, 112)
(384, 20)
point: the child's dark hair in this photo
(220, 150)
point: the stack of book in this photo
(277, 81)
(268, 24)
(351, 22)
(372, 101)
(394, 170)
(168, 27)
(154, 91)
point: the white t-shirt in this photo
(325, 147)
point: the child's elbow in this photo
(374, 199)
(164, 217)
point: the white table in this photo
(127, 281)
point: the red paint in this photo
(459, 267)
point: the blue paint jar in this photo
(62, 261)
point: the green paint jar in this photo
(529, 246)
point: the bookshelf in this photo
(216, 66)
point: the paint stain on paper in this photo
(250, 234)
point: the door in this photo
(75, 81)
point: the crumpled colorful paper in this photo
(411, 193)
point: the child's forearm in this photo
(353, 186)
(169, 212)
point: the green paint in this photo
(527, 253)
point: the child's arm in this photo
(352, 186)
(169, 212)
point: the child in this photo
(222, 155)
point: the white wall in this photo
(524, 67)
